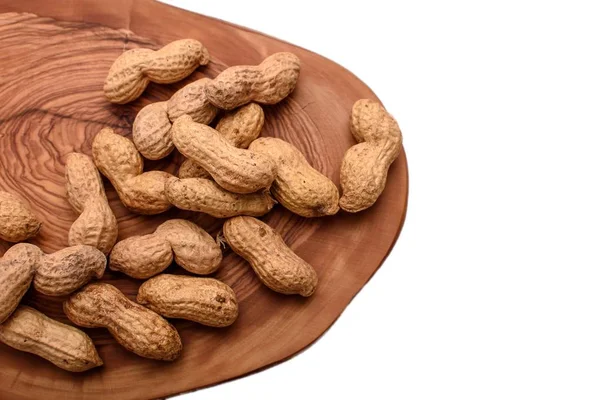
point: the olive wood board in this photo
(54, 57)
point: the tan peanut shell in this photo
(151, 131)
(204, 195)
(298, 186)
(17, 268)
(117, 158)
(194, 249)
(66, 347)
(134, 69)
(63, 272)
(237, 170)
(138, 329)
(190, 169)
(240, 127)
(142, 257)
(267, 83)
(192, 101)
(97, 224)
(17, 221)
(203, 300)
(152, 125)
(276, 265)
(364, 169)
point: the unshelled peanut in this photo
(237, 170)
(240, 127)
(275, 264)
(204, 195)
(134, 69)
(298, 186)
(364, 169)
(117, 158)
(144, 256)
(192, 101)
(97, 224)
(203, 300)
(152, 125)
(66, 347)
(63, 272)
(17, 220)
(17, 268)
(138, 329)
(267, 83)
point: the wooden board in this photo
(52, 72)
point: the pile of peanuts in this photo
(229, 173)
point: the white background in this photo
(493, 289)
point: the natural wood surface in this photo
(51, 77)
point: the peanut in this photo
(192, 101)
(97, 224)
(152, 125)
(133, 70)
(298, 186)
(17, 268)
(267, 83)
(151, 132)
(240, 127)
(118, 160)
(144, 256)
(138, 329)
(237, 170)
(276, 265)
(17, 221)
(364, 169)
(204, 195)
(190, 169)
(203, 300)
(66, 347)
(63, 272)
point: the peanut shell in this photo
(203, 300)
(63, 272)
(237, 170)
(298, 186)
(275, 264)
(267, 83)
(138, 329)
(66, 347)
(204, 195)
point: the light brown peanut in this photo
(151, 132)
(63, 272)
(117, 158)
(267, 83)
(97, 224)
(203, 300)
(240, 127)
(237, 170)
(134, 69)
(364, 169)
(17, 221)
(298, 186)
(66, 347)
(144, 256)
(275, 264)
(204, 195)
(138, 329)
(192, 101)
(17, 268)
(152, 125)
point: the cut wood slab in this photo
(54, 56)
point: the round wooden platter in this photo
(54, 56)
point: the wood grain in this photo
(52, 103)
